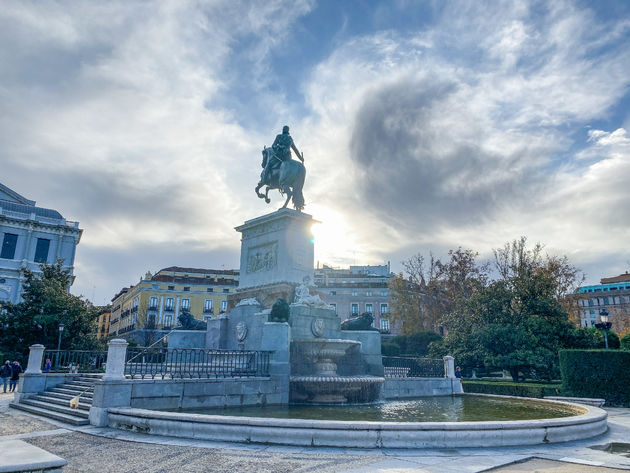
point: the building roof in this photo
(621, 278)
(179, 269)
(30, 209)
(9, 195)
(194, 280)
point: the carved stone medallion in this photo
(241, 331)
(317, 327)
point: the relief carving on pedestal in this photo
(262, 258)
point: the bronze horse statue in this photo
(287, 177)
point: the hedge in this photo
(625, 342)
(512, 389)
(597, 373)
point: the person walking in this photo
(5, 374)
(15, 376)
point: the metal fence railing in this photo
(409, 367)
(73, 361)
(158, 362)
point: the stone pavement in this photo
(90, 449)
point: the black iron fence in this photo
(195, 363)
(409, 367)
(73, 361)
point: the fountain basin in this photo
(587, 422)
(335, 389)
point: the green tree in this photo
(517, 322)
(47, 303)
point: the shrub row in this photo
(597, 373)
(512, 389)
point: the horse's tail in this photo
(298, 185)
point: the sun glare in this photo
(333, 239)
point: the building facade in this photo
(356, 290)
(611, 295)
(157, 300)
(102, 324)
(31, 235)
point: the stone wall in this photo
(406, 388)
(191, 393)
(187, 339)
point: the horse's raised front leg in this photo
(261, 196)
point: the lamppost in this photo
(61, 327)
(604, 325)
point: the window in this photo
(384, 325)
(591, 303)
(171, 288)
(369, 309)
(223, 306)
(226, 290)
(153, 302)
(187, 289)
(334, 306)
(169, 304)
(332, 293)
(355, 309)
(155, 286)
(208, 306)
(355, 293)
(368, 293)
(384, 308)
(8, 246)
(383, 293)
(606, 301)
(210, 289)
(168, 320)
(185, 304)
(41, 250)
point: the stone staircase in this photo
(54, 403)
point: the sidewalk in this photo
(90, 449)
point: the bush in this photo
(507, 388)
(625, 342)
(416, 344)
(597, 373)
(390, 349)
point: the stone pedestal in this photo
(35, 356)
(276, 255)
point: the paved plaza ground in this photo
(91, 449)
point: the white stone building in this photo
(31, 235)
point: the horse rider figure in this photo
(281, 151)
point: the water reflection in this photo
(432, 409)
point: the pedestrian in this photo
(458, 372)
(47, 366)
(5, 374)
(15, 376)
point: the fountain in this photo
(325, 386)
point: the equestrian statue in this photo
(281, 172)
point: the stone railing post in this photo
(116, 354)
(449, 366)
(35, 356)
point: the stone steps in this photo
(62, 402)
(73, 392)
(66, 397)
(57, 408)
(54, 403)
(44, 412)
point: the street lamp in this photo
(604, 325)
(61, 327)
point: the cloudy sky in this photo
(425, 125)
